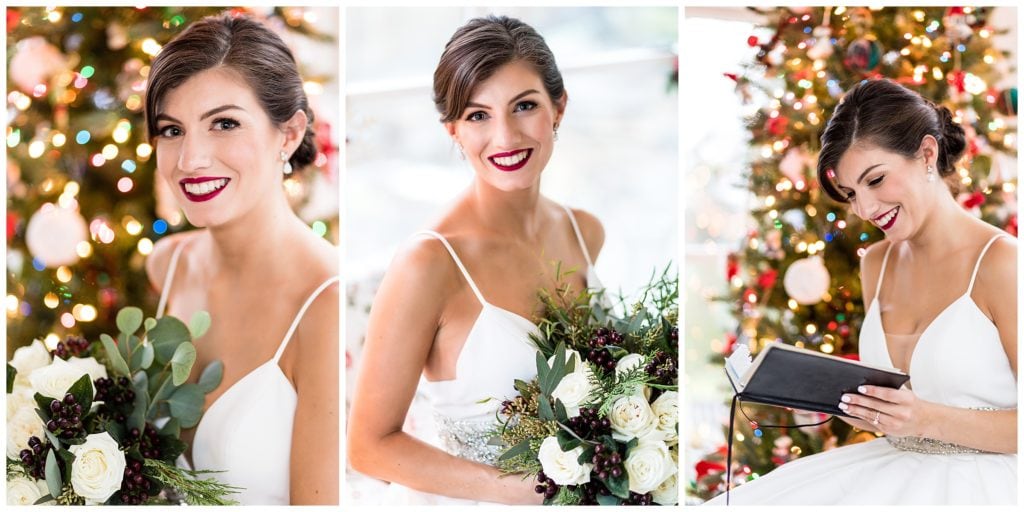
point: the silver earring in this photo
(462, 151)
(287, 167)
(932, 176)
(555, 136)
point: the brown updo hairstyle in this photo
(891, 117)
(478, 49)
(246, 47)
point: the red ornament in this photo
(1011, 225)
(767, 279)
(13, 17)
(732, 76)
(776, 125)
(851, 356)
(732, 266)
(706, 467)
(955, 79)
(833, 325)
(12, 225)
(844, 330)
(752, 41)
(975, 199)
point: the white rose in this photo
(563, 467)
(575, 387)
(631, 416)
(22, 490)
(53, 381)
(20, 398)
(648, 464)
(98, 468)
(668, 492)
(24, 424)
(91, 366)
(28, 359)
(666, 409)
(628, 362)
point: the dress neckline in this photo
(921, 338)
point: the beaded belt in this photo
(468, 439)
(934, 446)
(931, 446)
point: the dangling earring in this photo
(287, 167)
(462, 151)
(555, 136)
(932, 176)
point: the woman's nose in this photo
(195, 154)
(507, 133)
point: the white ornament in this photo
(53, 235)
(34, 62)
(807, 280)
(822, 48)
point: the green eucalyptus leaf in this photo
(561, 414)
(187, 405)
(149, 324)
(114, 356)
(199, 324)
(52, 471)
(137, 418)
(181, 362)
(142, 358)
(166, 335)
(129, 320)
(618, 485)
(57, 445)
(520, 448)
(211, 377)
(566, 441)
(608, 500)
(544, 410)
(171, 428)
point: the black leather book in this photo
(788, 376)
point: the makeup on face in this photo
(203, 188)
(510, 161)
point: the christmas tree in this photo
(83, 205)
(796, 279)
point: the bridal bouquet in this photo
(599, 424)
(99, 422)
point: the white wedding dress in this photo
(247, 432)
(497, 351)
(958, 361)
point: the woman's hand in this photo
(895, 412)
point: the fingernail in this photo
(862, 389)
(846, 398)
(843, 406)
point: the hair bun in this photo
(952, 143)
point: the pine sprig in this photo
(194, 490)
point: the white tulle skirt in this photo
(876, 473)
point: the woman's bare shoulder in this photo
(159, 261)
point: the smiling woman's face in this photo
(217, 149)
(887, 189)
(507, 129)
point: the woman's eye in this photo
(169, 131)
(875, 181)
(224, 124)
(476, 116)
(523, 106)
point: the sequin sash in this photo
(468, 439)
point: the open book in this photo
(788, 376)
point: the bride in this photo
(228, 117)
(455, 303)
(941, 296)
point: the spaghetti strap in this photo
(458, 262)
(977, 265)
(302, 311)
(165, 291)
(579, 235)
(881, 274)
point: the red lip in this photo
(896, 213)
(199, 198)
(510, 168)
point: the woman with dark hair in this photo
(941, 300)
(455, 303)
(228, 117)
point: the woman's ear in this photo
(929, 150)
(294, 130)
(449, 128)
(560, 107)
